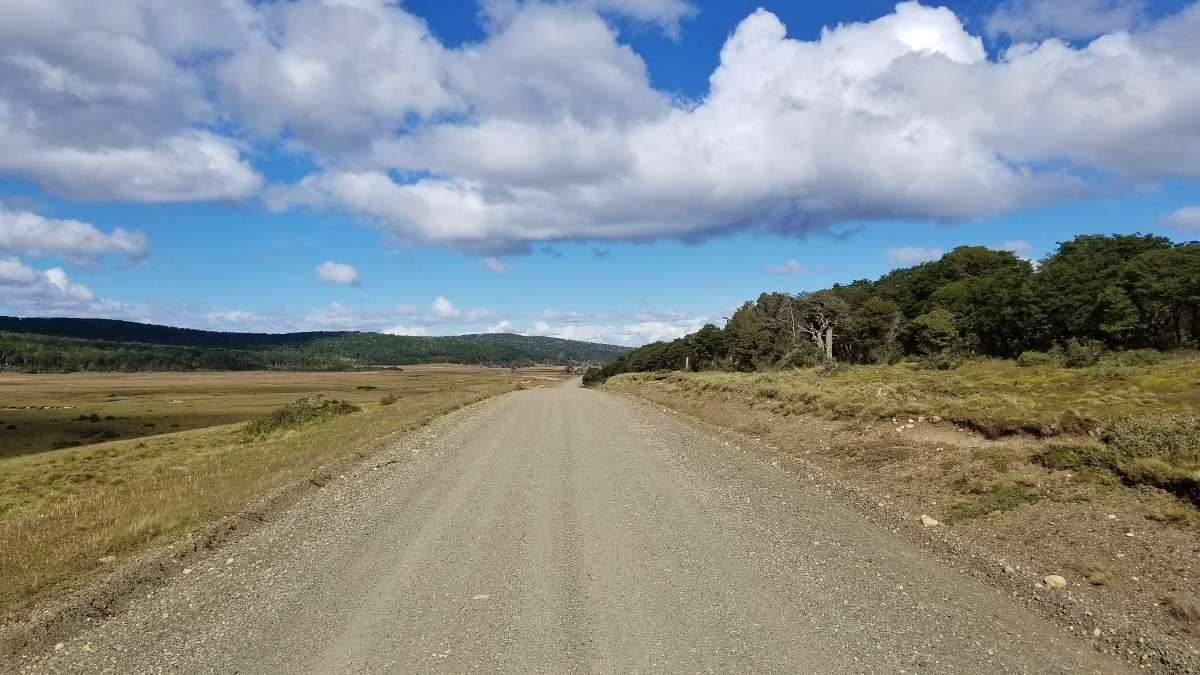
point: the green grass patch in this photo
(1005, 495)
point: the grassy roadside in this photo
(66, 514)
(992, 396)
(1083, 505)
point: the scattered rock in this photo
(107, 559)
(1056, 581)
(59, 647)
(928, 521)
(935, 420)
(1009, 569)
(1095, 632)
(910, 425)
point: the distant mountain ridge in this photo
(69, 344)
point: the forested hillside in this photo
(68, 345)
(1094, 293)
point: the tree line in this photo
(182, 350)
(1094, 292)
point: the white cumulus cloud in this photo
(494, 265)
(1186, 218)
(789, 266)
(30, 234)
(1035, 19)
(338, 273)
(42, 291)
(444, 309)
(913, 255)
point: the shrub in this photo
(1163, 451)
(1112, 372)
(1136, 357)
(1082, 353)
(1074, 456)
(388, 400)
(941, 361)
(830, 368)
(304, 411)
(804, 355)
(1174, 438)
(1034, 359)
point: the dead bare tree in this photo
(820, 313)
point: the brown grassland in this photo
(174, 453)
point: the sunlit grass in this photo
(62, 510)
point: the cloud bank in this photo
(548, 129)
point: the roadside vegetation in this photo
(1138, 422)
(1095, 344)
(1095, 294)
(70, 513)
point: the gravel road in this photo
(566, 530)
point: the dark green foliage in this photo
(1081, 353)
(68, 347)
(1095, 295)
(1033, 359)
(935, 332)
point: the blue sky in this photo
(568, 169)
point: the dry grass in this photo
(62, 510)
(995, 397)
(44, 410)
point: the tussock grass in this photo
(62, 510)
(1158, 450)
(994, 397)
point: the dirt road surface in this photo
(570, 530)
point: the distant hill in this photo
(67, 345)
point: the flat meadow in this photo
(96, 467)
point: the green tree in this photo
(935, 331)
(1119, 317)
(1069, 282)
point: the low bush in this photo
(388, 400)
(305, 411)
(1162, 451)
(1082, 353)
(941, 361)
(1136, 357)
(1174, 438)
(804, 355)
(1035, 359)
